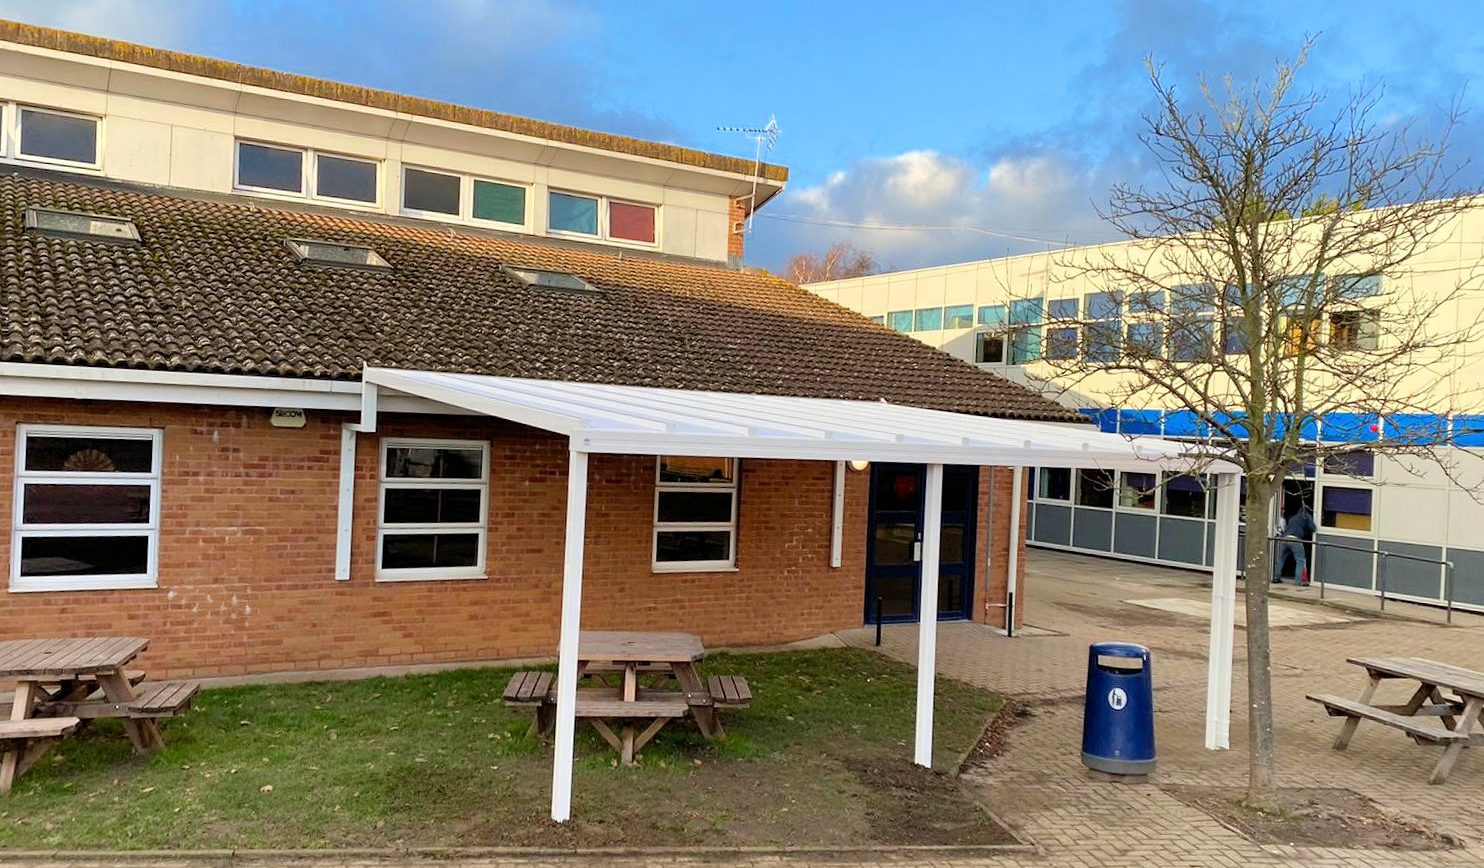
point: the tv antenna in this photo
(764, 135)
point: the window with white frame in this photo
(440, 195)
(87, 507)
(1055, 484)
(51, 136)
(432, 513)
(695, 513)
(601, 217)
(288, 171)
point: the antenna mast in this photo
(766, 134)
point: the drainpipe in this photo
(1017, 495)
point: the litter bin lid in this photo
(1119, 649)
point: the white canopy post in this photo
(1223, 613)
(561, 772)
(927, 622)
(1012, 563)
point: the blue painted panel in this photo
(1139, 422)
(1185, 423)
(1422, 429)
(1092, 530)
(1133, 534)
(1053, 524)
(1468, 430)
(1182, 540)
(1235, 422)
(1106, 418)
(1350, 428)
(1308, 429)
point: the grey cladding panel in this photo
(1337, 566)
(1093, 530)
(1134, 534)
(1053, 524)
(1182, 540)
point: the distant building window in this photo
(1025, 346)
(59, 137)
(1061, 343)
(1146, 301)
(900, 320)
(569, 213)
(1055, 484)
(1063, 308)
(1192, 299)
(345, 178)
(1360, 464)
(989, 349)
(1346, 508)
(992, 315)
(1026, 311)
(433, 509)
(959, 316)
(1137, 490)
(1146, 340)
(264, 167)
(1185, 496)
(86, 509)
(499, 203)
(1095, 488)
(929, 319)
(1193, 340)
(878, 320)
(695, 513)
(630, 222)
(1103, 336)
(1351, 287)
(1234, 336)
(1355, 329)
(430, 192)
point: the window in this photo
(1095, 488)
(430, 192)
(1146, 340)
(1303, 334)
(695, 513)
(81, 227)
(544, 279)
(1146, 301)
(1360, 464)
(1061, 343)
(86, 509)
(1025, 346)
(569, 213)
(264, 167)
(959, 316)
(1055, 483)
(1185, 496)
(1136, 490)
(1234, 336)
(58, 137)
(344, 178)
(929, 319)
(432, 516)
(900, 320)
(1063, 308)
(1104, 332)
(1193, 340)
(1192, 300)
(630, 222)
(992, 315)
(1346, 508)
(989, 349)
(333, 255)
(878, 320)
(1355, 329)
(499, 203)
(1350, 287)
(1025, 311)
(1299, 290)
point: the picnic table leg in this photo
(650, 732)
(1348, 728)
(20, 709)
(1465, 726)
(143, 733)
(627, 752)
(1449, 720)
(630, 682)
(690, 682)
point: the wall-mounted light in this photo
(858, 464)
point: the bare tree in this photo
(1270, 285)
(842, 260)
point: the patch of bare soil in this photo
(1316, 818)
(908, 804)
(996, 735)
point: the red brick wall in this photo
(247, 550)
(736, 229)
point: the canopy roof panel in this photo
(640, 420)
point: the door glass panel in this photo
(897, 490)
(894, 543)
(950, 595)
(951, 548)
(898, 596)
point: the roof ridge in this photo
(120, 51)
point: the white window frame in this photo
(1041, 495)
(10, 150)
(735, 488)
(418, 574)
(524, 226)
(604, 234)
(1347, 482)
(308, 175)
(1118, 504)
(465, 192)
(21, 530)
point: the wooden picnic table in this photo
(1450, 693)
(56, 679)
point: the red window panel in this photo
(631, 222)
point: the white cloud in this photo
(961, 209)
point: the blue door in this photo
(894, 542)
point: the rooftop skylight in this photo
(329, 254)
(543, 279)
(81, 226)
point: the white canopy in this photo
(640, 420)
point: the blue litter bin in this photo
(1118, 719)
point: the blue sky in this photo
(1010, 118)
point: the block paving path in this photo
(1038, 784)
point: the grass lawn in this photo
(822, 758)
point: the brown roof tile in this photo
(213, 288)
(207, 67)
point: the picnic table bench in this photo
(639, 712)
(1452, 694)
(56, 682)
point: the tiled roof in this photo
(236, 73)
(213, 288)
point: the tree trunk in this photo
(1262, 787)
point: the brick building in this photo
(199, 263)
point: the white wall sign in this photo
(288, 417)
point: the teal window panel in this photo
(500, 203)
(1026, 311)
(959, 316)
(900, 320)
(929, 319)
(992, 314)
(568, 213)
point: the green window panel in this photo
(500, 203)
